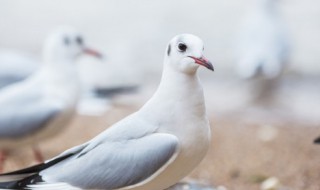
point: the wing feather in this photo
(115, 165)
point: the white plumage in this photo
(42, 105)
(153, 148)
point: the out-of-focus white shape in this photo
(262, 47)
(271, 183)
(193, 185)
(267, 133)
(93, 106)
(96, 101)
(221, 188)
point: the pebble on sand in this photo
(191, 186)
(271, 183)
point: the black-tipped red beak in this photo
(93, 53)
(204, 62)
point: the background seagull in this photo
(40, 106)
(263, 45)
(153, 148)
(263, 49)
(95, 97)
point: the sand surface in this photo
(241, 156)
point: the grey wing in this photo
(113, 165)
(22, 114)
(15, 67)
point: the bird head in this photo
(185, 53)
(66, 44)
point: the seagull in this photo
(263, 45)
(262, 50)
(95, 98)
(152, 148)
(40, 106)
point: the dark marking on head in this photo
(169, 50)
(79, 40)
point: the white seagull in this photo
(95, 98)
(40, 106)
(263, 45)
(151, 149)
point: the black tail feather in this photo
(23, 183)
(31, 175)
(37, 168)
(317, 140)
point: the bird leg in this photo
(37, 154)
(3, 156)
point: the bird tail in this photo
(21, 183)
(317, 140)
(21, 179)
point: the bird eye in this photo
(79, 40)
(66, 41)
(182, 47)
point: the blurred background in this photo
(254, 137)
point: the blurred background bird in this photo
(96, 97)
(262, 48)
(42, 105)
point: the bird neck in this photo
(57, 55)
(178, 91)
(61, 81)
(60, 73)
(173, 80)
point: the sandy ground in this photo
(241, 156)
(250, 141)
